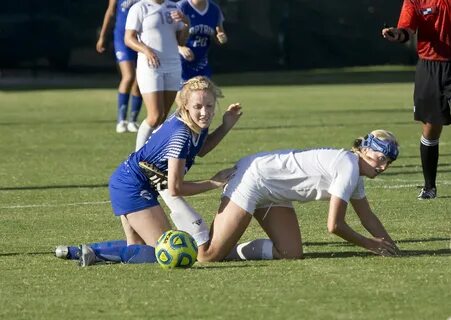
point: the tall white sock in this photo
(259, 249)
(144, 132)
(186, 218)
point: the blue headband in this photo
(387, 147)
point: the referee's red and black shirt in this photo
(431, 19)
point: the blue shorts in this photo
(121, 51)
(128, 193)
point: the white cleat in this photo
(132, 126)
(87, 256)
(121, 126)
(62, 252)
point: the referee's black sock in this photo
(429, 161)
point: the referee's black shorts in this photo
(432, 92)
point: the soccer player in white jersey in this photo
(265, 184)
(154, 29)
(171, 149)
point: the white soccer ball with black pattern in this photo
(176, 249)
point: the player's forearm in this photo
(376, 228)
(344, 231)
(106, 26)
(182, 36)
(214, 139)
(188, 188)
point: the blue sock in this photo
(136, 253)
(74, 252)
(136, 107)
(122, 106)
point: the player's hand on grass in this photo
(383, 247)
(223, 176)
(186, 53)
(232, 115)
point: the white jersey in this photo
(295, 175)
(157, 30)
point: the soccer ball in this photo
(176, 249)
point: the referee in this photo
(431, 21)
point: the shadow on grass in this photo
(68, 186)
(354, 75)
(347, 244)
(350, 254)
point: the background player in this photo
(431, 21)
(206, 23)
(154, 29)
(126, 59)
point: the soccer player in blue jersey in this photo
(126, 59)
(172, 149)
(206, 24)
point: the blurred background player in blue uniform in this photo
(126, 59)
(206, 23)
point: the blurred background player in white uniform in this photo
(126, 59)
(265, 184)
(206, 24)
(154, 29)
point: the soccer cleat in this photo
(427, 193)
(121, 126)
(132, 126)
(62, 252)
(87, 256)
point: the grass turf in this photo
(58, 148)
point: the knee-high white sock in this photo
(144, 132)
(186, 218)
(259, 249)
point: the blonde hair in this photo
(380, 134)
(199, 83)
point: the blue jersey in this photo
(122, 52)
(122, 7)
(129, 188)
(202, 29)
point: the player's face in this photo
(201, 108)
(373, 163)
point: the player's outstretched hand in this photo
(232, 115)
(391, 34)
(223, 176)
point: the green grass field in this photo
(58, 148)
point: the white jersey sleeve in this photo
(135, 18)
(346, 180)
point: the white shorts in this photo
(246, 189)
(152, 80)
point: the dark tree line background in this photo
(263, 35)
